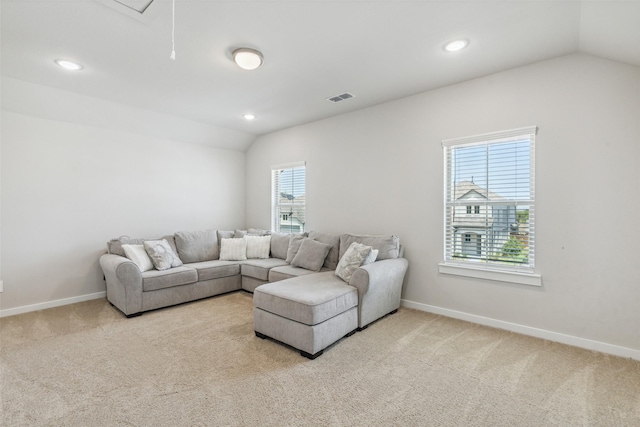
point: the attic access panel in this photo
(138, 5)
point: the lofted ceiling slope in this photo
(376, 50)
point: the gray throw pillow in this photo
(237, 234)
(331, 239)
(351, 260)
(311, 255)
(161, 254)
(197, 246)
(295, 240)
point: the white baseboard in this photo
(51, 304)
(528, 330)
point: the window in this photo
(288, 198)
(494, 173)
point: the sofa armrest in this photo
(124, 283)
(379, 287)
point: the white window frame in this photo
(278, 206)
(486, 268)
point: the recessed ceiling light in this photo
(456, 45)
(68, 65)
(249, 116)
(247, 59)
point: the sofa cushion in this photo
(258, 232)
(258, 246)
(332, 239)
(153, 280)
(311, 255)
(388, 246)
(279, 245)
(215, 269)
(259, 268)
(162, 255)
(222, 234)
(295, 240)
(289, 271)
(139, 256)
(114, 246)
(233, 250)
(197, 246)
(351, 260)
(309, 300)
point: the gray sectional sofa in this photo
(299, 299)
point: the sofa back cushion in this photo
(331, 239)
(279, 245)
(197, 246)
(258, 232)
(388, 246)
(114, 246)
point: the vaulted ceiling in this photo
(313, 50)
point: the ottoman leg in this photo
(259, 335)
(311, 356)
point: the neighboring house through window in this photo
(490, 205)
(288, 188)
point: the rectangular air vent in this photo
(341, 97)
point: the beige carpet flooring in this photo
(200, 364)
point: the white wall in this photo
(380, 170)
(67, 188)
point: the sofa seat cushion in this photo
(289, 271)
(310, 300)
(215, 269)
(259, 268)
(153, 280)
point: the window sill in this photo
(500, 276)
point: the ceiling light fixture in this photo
(456, 45)
(249, 116)
(68, 65)
(247, 59)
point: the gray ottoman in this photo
(308, 313)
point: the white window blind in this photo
(288, 192)
(490, 201)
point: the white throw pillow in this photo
(371, 258)
(233, 250)
(258, 246)
(351, 260)
(138, 255)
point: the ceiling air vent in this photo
(138, 5)
(341, 97)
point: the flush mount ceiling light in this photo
(456, 45)
(247, 59)
(249, 117)
(68, 65)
